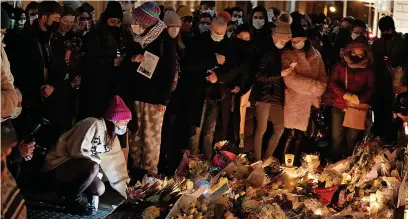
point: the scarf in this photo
(153, 33)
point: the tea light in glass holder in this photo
(289, 159)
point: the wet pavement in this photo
(47, 206)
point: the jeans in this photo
(206, 130)
(267, 112)
(341, 133)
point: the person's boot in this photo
(289, 144)
(79, 206)
(298, 147)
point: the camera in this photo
(401, 104)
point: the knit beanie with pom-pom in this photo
(282, 27)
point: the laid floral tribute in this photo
(369, 184)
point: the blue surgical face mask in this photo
(120, 130)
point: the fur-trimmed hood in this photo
(345, 55)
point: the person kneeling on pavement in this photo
(91, 144)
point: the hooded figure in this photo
(352, 81)
(104, 47)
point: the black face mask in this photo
(242, 45)
(356, 59)
(115, 31)
(386, 36)
(53, 27)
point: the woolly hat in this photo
(148, 13)
(282, 27)
(184, 11)
(171, 19)
(225, 15)
(118, 110)
(113, 10)
(296, 26)
(4, 19)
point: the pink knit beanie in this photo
(118, 110)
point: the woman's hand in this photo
(161, 108)
(212, 78)
(46, 90)
(236, 90)
(400, 89)
(138, 58)
(26, 149)
(117, 61)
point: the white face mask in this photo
(216, 37)
(258, 24)
(16, 112)
(32, 18)
(137, 29)
(279, 46)
(211, 12)
(354, 36)
(299, 45)
(271, 15)
(229, 34)
(173, 31)
(204, 27)
(120, 130)
(238, 21)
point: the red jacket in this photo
(360, 83)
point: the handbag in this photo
(356, 114)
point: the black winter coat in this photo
(199, 58)
(28, 62)
(100, 78)
(269, 86)
(156, 90)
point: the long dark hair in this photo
(110, 133)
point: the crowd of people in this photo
(128, 93)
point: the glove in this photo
(354, 99)
(348, 96)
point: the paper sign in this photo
(149, 64)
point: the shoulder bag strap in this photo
(346, 79)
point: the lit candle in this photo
(372, 198)
(289, 158)
(318, 211)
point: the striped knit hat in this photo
(148, 13)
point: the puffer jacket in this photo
(304, 87)
(360, 83)
(269, 87)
